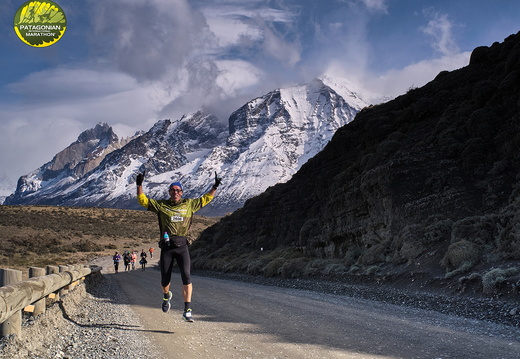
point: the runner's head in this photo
(176, 184)
(175, 191)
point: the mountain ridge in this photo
(266, 141)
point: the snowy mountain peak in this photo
(267, 141)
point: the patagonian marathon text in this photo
(40, 27)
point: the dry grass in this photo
(49, 235)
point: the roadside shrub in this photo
(409, 244)
(375, 253)
(438, 231)
(257, 262)
(411, 250)
(354, 269)
(460, 257)
(508, 242)
(373, 270)
(315, 267)
(491, 279)
(335, 269)
(256, 266)
(239, 264)
(273, 268)
(293, 268)
(87, 245)
(477, 229)
(352, 254)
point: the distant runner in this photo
(143, 260)
(175, 215)
(116, 258)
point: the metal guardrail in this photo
(30, 295)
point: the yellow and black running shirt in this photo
(174, 218)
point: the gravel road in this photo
(122, 318)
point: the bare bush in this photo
(460, 257)
(273, 268)
(438, 231)
(477, 229)
(50, 235)
(293, 268)
(491, 279)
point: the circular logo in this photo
(40, 23)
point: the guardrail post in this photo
(39, 306)
(13, 325)
(52, 270)
(63, 291)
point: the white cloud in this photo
(28, 141)
(229, 32)
(397, 82)
(287, 53)
(53, 107)
(68, 84)
(153, 59)
(232, 21)
(149, 39)
(236, 76)
(439, 27)
(376, 5)
(187, 52)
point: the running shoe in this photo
(187, 316)
(166, 302)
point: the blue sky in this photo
(131, 63)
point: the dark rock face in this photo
(406, 180)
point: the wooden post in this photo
(52, 270)
(17, 296)
(13, 325)
(39, 306)
(63, 291)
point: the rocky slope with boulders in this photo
(419, 192)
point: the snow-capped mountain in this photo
(68, 166)
(6, 188)
(270, 138)
(266, 141)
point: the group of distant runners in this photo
(129, 259)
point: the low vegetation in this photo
(460, 252)
(49, 235)
(475, 255)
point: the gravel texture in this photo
(506, 312)
(65, 330)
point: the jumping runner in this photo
(174, 217)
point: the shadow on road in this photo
(245, 315)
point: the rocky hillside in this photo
(423, 186)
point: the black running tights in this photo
(182, 256)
